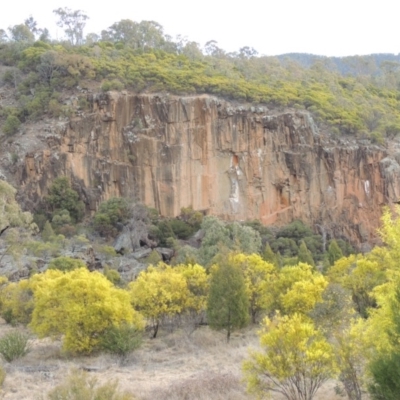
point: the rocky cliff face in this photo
(232, 161)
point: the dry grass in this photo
(173, 366)
(201, 386)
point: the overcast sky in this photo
(332, 28)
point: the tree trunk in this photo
(3, 230)
(253, 316)
(155, 330)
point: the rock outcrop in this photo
(237, 162)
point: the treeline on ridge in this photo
(358, 95)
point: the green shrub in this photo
(55, 108)
(346, 247)
(107, 251)
(181, 229)
(284, 246)
(192, 217)
(66, 264)
(14, 345)
(296, 231)
(40, 219)
(11, 125)
(377, 137)
(115, 84)
(385, 371)
(121, 340)
(112, 275)
(162, 231)
(62, 197)
(153, 258)
(83, 103)
(47, 232)
(38, 105)
(14, 158)
(16, 302)
(111, 214)
(79, 386)
(60, 218)
(10, 77)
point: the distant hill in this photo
(373, 64)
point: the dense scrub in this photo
(353, 95)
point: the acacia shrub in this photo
(259, 276)
(197, 281)
(297, 289)
(16, 300)
(159, 293)
(89, 304)
(295, 359)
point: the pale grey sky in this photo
(332, 28)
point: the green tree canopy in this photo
(259, 277)
(334, 252)
(111, 214)
(228, 302)
(73, 22)
(269, 256)
(62, 197)
(305, 255)
(158, 293)
(219, 235)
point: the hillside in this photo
(195, 223)
(271, 138)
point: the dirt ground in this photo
(174, 366)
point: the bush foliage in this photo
(111, 216)
(78, 385)
(89, 304)
(14, 345)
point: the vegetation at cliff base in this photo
(314, 322)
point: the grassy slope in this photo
(172, 367)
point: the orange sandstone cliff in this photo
(234, 161)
